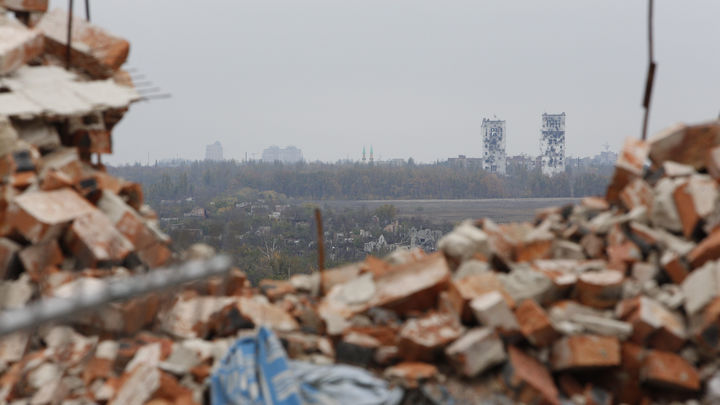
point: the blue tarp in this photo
(256, 371)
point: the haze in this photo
(412, 78)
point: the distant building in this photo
(214, 152)
(274, 154)
(521, 161)
(464, 162)
(552, 144)
(493, 141)
(197, 212)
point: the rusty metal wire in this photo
(54, 309)
(652, 67)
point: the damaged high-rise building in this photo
(552, 144)
(493, 140)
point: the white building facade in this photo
(290, 154)
(493, 140)
(552, 144)
(214, 152)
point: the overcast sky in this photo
(412, 78)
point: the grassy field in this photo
(499, 210)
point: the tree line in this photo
(322, 181)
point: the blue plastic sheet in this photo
(256, 371)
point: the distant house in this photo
(197, 212)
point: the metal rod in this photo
(69, 34)
(652, 66)
(87, 10)
(54, 309)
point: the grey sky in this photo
(410, 77)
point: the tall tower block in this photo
(493, 142)
(552, 144)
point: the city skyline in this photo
(412, 77)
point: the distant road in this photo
(499, 210)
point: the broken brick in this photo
(94, 50)
(585, 351)
(37, 258)
(599, 289)
(93, 239)
(421, 339)
(461, 292)
(476, 351)
(491, 309)
(43, 215)
(411, 374)
(535, 324)
(527, 379)
(20, 43)
(665, 369)
(684, 144)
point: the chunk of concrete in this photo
(476, 351)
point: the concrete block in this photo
(700, 287)
(476, 351)
(492, 310)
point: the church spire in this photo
(363, 159)
(371, 154)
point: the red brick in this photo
(266, 314)
(476, 351)
(665, 369)
(25, 5)
(155, 255)
(37, 258)
(585, 351)
(599, 289)
(93, 239)
(628, 167)
(275, 289)
(595, 395)
(708, 333)
(94, 50)
(424, 338)
(535, 324)
(713, 162)
(674, 267)
(9, 259)
(685, 144)
(695, 201)
(132, 194)
(527, 379)
(461, 292)
(595, 203)
(708, 249)
(621, 256)
(411, 374)
(413, 286)
(637, 193)
(43, 215)
(653, 324)
(20, 44)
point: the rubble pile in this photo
(614, 300)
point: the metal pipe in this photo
(69, 34)
(54, 309)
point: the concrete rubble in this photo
(614, 300)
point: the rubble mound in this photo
(614, 300)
